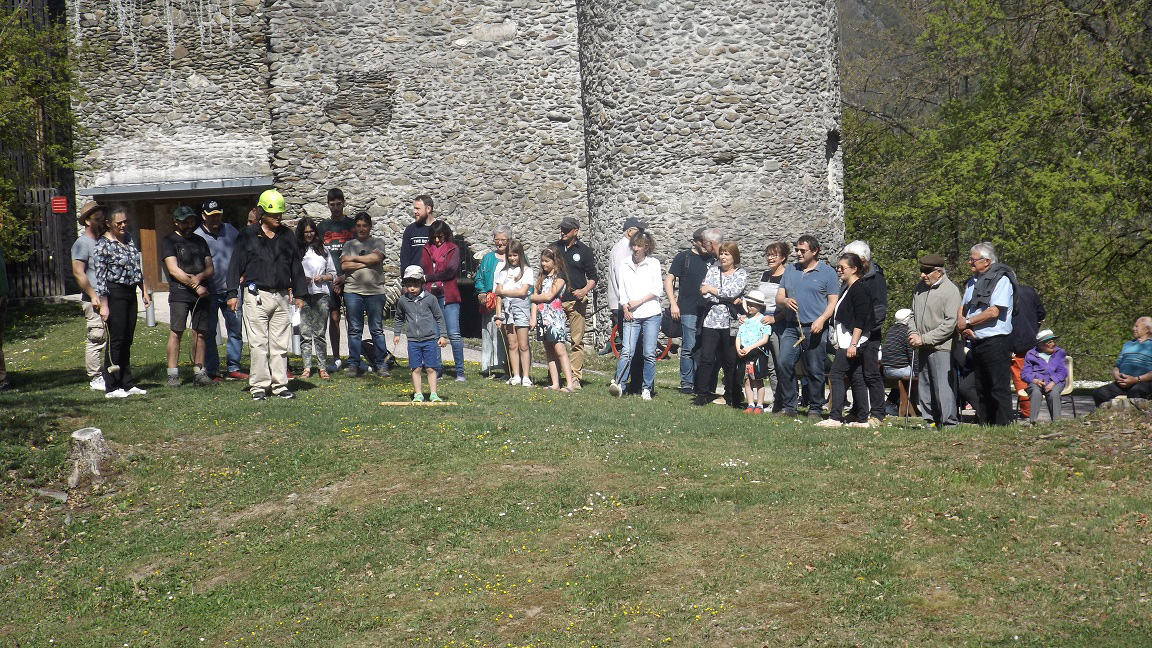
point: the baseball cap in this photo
(211, 207)
(414, 272)
(183, 213)
(632, 221)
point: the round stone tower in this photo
(722, 113)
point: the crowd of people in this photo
(779, 342)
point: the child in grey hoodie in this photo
(422, 312)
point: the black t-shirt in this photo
(190, 254)
(689, 270)
(581, 266)
(334, 234)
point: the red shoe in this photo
(236, 375)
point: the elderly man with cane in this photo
(935, 305)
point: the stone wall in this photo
(723, 113)
(720, 113)
(174, 91)
(475, 102)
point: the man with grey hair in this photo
(985, 321)
(1132, 373)
(877, 287)
(935, 305)
(492, 351)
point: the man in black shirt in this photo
(582, 279)
(188, 262)
(268, 259)
(688, 268)
(334, 232)
(416, 234)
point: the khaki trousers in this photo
(96, 338)
(576, 312)
(269, 325)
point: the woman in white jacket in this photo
(639, 285)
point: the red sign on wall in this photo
(59, 204)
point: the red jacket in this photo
(441, 263)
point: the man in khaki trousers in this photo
(266, 270)
(96, 334)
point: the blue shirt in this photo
(221, 246)
(1001, 299)
(810, 290)
(1135, 358)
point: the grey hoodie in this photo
(423, 315)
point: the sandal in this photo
(566, 390)
(306, 374)
(323, 374)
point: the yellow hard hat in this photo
(271, 202)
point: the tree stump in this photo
(90, 456)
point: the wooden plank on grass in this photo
(424, 403)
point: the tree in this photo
(1026, 123)
(36, 87)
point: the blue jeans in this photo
(452, 322)
(357, 305)
(234, 344)
(687, 344)
(632, 328)
(815, 353)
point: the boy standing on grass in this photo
(424, 317)
(751, 345)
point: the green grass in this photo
(529, 518)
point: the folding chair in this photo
(1067, 391)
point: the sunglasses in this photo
(927, 270)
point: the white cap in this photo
(414, 272)
(903, 315)
(755, 296)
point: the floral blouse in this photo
(116, 262)
(730, 287)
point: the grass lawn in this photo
(523, 517)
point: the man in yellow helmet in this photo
(266, 270)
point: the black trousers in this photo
(992, 366)
(716, 351)
(845, 370)
(1112, 390)
(122, 315)
(873, 379)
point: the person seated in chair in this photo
(1046, 373)
(1132, 375)
(896, 357)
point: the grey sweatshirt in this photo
(423, 315)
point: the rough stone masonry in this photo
(517, 111)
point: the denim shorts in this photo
(424, 354)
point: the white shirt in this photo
(634, 281)
(620, 253)
(316, 265)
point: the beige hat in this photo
(414, 272)
(90, 208)
(756, 297)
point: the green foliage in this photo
(1030, 130)
(36, 87)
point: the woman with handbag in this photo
(492, 356)
(440, 259)
(850, 323)
(722, 287)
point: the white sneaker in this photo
(514, 380)
(117, 393)
(526, 381)
(96, 384)
(136, 391)
(646, 394)
(829, 423)
(614, 389)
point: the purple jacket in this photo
(1052, 371)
